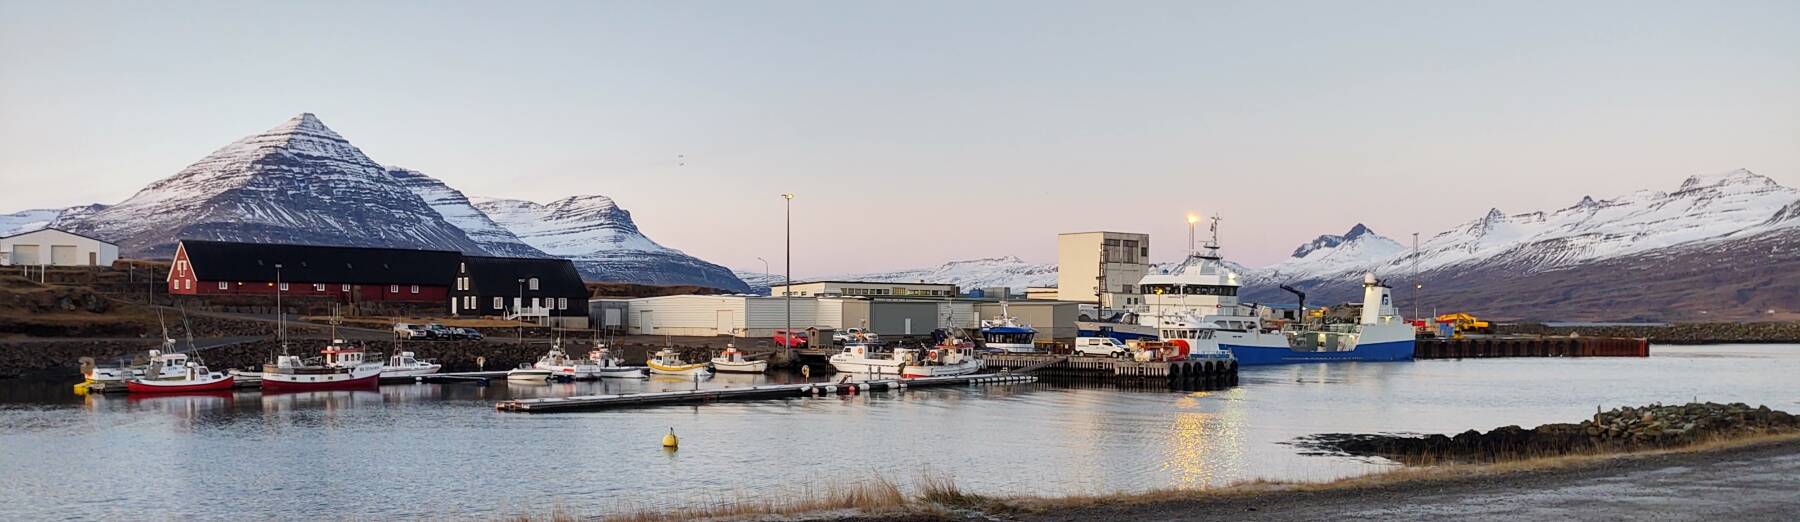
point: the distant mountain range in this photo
(1723, 246)
(301, 182)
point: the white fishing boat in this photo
(529, 372)
(342, 366)
(405, 364)
(732, 361)
(110, 375)
(953, 356)
(612, 367)
(667, 362)
(868, 359)
(562, 366)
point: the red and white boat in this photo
(193, 377)
(343, 367)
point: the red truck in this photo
(786, 340)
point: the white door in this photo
(908, 326)
(645, 324)
(612, 317)
(64, 255)
(724, 322)
(24, 254)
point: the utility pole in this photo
(1415, 276)
(787, 283)
(519, 308)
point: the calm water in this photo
(411, 451)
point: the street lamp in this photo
(519, 308)
(787, 280)
(765, 267)
(280, 313)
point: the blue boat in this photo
(1255, 355)
(1380, 335)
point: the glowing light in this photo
(1193, 218)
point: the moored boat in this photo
(405, 364)
(952, 356)
(562, 366)
(612, 367)
(1379, 335)
(342, 367)
(529, 372)
(667, 362)
(732, 361)
(868, 359)
(1006, 333)
(195, 377)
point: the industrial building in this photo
(543, 291)
(759, 317)
(1086, 260)
(864, 288)
(54, 247)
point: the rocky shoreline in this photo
(1675, 333)
(1621, 429)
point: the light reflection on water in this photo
(441, 450)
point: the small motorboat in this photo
(405, 364)
(112, 375)
(867, 359)
(667, 362)
(612, 367)
(528, 372)
(732, 361)
(195, 377)
(562, 366)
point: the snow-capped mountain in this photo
(1010, 272)
(1357, 249)
(299, 182)
(604, 242)
(759, 282)
(27, 220)
(456, 208)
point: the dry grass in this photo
(938, 493)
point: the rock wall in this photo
(1620, 429)
(1678, 333)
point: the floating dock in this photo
(767, 391)
(1190, 374)
(1525, 346)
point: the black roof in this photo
(502, 274)
(229, 261)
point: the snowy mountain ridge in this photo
(455, 207)
(603, 241)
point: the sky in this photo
(915, 133)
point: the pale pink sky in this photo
(916, 133)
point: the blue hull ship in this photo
(1259, 355)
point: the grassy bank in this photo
(938, 497)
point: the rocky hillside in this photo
(604, 242)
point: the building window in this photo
(284, 287)
(462, 268)
(562, 303)
(415, 289)
(224, 285)
(533, 283)
(393, 289)
(318, 287)
(346, 287)
(499, 303)
(189, 283)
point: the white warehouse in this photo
(52, 247)
(757, 316)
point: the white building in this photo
(52, 247)
(1086, 260)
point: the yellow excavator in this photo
(1462, 323)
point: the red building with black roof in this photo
(468, 285)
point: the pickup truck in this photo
(1101, 346)
(854, 335)
(795, 340)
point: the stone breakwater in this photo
(59, 360)
(1680, 333)
(1619, 429)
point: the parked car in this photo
(854, 334)
(470, 333)
(1101, 346)
(412, 331)
(794, 340)
(442, 332)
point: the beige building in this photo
(865, 289)
(1085, 260)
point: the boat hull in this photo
(684, 369)
(740, 366)
(621, 372)
(409, 371)
(274, 382)
(942, 370)
(867, 366)
(1373, 352)
(137, 386)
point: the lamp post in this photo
(519, 307)
(765, 267)
(787, 281)
(280, 313)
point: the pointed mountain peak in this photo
(1357, 231)
(1586, 202)
(304, 124)
(1494, 213)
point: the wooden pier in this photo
(1191, 374)
(767, 391)
(1482, 347)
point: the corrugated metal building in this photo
(1054, 320)
(756, 316)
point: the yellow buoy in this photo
(670, 441)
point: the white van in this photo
(1101, 346)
